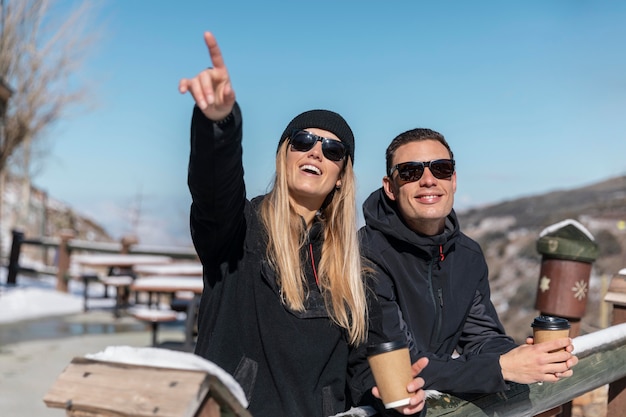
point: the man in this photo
(432, 281)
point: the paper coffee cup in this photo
(546, 328)
(391, 365)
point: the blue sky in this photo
(531, 95)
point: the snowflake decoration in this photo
(580, 290)
(544, 284)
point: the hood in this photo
(381, 213)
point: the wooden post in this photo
(127, 242)
(63, 261)
(14, 259)
(617, 390)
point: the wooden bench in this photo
(95, 388)
(154, 317)
(176, 285)
(121, 283)
(86, 279)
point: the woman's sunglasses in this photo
(413, 171)
(303, 141)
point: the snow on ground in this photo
(31, 303)
(34, 298)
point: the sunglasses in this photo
(303, 141)
(413, 171)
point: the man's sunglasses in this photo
(413, 171)
(303, 141)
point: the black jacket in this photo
(435, 293)
(289, 363)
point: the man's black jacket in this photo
(434, 292)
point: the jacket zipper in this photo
(437, 303)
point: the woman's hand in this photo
(415, 387)
(211, 88)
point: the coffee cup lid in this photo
(385, 347)
(550, 323)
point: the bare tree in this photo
(41, 50)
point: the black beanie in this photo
(326, 120)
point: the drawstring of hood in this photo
(317, 281)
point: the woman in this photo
(284, 298)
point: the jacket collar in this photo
(381, 214)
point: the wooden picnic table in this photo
(170, 285)
(120, 260)
(120, 272)
(174, 268)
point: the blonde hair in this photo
(339, 273)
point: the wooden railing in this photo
(602, 354)
(65, 244)
(602, 360)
